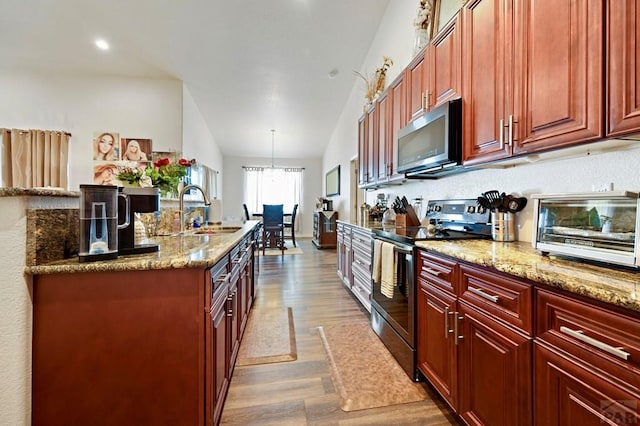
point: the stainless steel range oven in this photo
(393, 300)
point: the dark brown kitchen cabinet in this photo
(623, 79)
(363, 148)
(437, 347)
(519, 55)
(416, 78)
(444, 56)
(383, 109)
(468, 346)
(494, 369)
(217, 349)
(397, 120)
(367, 144)
(587, 363)
(136, 347)
(324, 229)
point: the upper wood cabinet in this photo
(434, 76)
(623, 77)
(383, 136)
(533, 76)
(445, 64)
(416, 86)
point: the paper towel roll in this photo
(215, 212)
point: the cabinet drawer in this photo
(605, 339)
(362, 276)
(437, 271)
(363, 259)
(505, 298)
(362, 241)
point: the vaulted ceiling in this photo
(251, 66)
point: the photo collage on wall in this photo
(112, 155)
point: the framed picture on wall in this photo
(332, 181)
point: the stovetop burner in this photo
(452, 220)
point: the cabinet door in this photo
(436, 340)
(382, 138)
(623, 74)
(372, 143)
(569, 394)
(362, 150)
(233, 326)
(445, 61)
(494, 371)
(217, 358)
(559, 83)
(416, 77)
(486, 79)
(397, 120)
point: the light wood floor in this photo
(301, 392)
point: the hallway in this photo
(301, 392)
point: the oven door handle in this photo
(403, 250)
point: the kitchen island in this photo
(144, 339)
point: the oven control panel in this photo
(462, 210)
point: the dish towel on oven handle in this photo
(388, 270)
(384, 267)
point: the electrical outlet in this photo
(602, 187)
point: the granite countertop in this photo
(615, 286)
(176, 251)
(48, 191)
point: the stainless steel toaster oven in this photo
(598, 226)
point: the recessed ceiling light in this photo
(102, 44)
(332, 74)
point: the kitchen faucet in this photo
(207, 202)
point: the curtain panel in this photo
(35, 158)
(264, 185)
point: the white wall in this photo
(394, 39)
(133, 107)
(312, 187)
(197, 140)
(16, 322)
(145, 108)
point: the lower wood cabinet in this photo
(153, 347)
(477, 347)
(437, 347)
(494, 363)
(324, 229)
(355, 251)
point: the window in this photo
(272, 186)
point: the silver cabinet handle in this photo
(481, 293)
(447, 330)
(501, 125)
(458, 318)
(579, 334)
(431, 271)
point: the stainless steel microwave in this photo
(598, 226)
(431, 145)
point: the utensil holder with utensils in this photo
(503, 226)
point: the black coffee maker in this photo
(141, 200)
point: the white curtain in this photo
(34, 158)
(265, 185)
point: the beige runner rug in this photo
(269, 337)
(363, 371)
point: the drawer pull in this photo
(579, 334)
(481, 293)
(431, 271)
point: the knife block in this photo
(409, 219)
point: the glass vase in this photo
(420, 40)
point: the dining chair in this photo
(292, 225)
(246, 212)
(272, 227)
